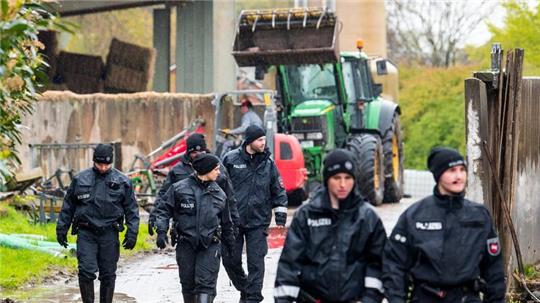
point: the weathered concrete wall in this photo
(141, 121)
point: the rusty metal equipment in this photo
(286, 36)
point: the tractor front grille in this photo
(307, 124)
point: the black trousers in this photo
(234, 269)
(256, 249)
(198, 268)
(98, 252)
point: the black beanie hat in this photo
(103, 154)
(195, 142)
(338, 161)
(204, 163)
(253, 132)
(442, 158)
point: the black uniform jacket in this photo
(444, 241)
(182, 170)
(333, 255)
(258, 187)
(199, 210)
(99, 201)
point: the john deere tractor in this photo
(328, 99)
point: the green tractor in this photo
(328, 99)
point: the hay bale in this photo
(130, 67)
(50, 52)
(121, 79)
(131, 56)
(83, 84)
(73, 63)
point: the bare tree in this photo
(431, 31)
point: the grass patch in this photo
(20, 267)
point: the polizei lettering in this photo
(429, 225)
(187, 205)
(319, 222)
(83, 196)
(239, 166)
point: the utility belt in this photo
(470, 288)
(216, 237)
(116, 226)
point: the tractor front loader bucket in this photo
(286, 36)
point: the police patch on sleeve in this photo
(493, 246)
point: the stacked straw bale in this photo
(130, 67)
(80, 73)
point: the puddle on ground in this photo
(58, 294)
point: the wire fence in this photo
(418, 183)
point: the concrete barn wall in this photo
(141, 122)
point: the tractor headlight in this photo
(315, 136)
(299, 136)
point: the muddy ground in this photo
(153, 276)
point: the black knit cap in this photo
(195, 142)
(204, 163)
(253, 132)
(103, 154)
(442, 158)
(338, 161)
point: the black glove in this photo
(280, 218)
(174, 237)
(162, 240)
(151, 226)
(129, 241)
(62, 239)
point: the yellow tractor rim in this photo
(395, 158)
(376, 181)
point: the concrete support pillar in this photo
(225, 20)
(162, 44)
(195, 47)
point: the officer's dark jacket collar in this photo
(448, 201)
(248, 157)
(321, 201)
(203, 184)
(186, 159)
(98, 173)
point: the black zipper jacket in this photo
(258, 187)
(183, 170)
(443, 241)
(200, 212)
(99, 201)
(332, 255)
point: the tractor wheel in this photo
(393, 162)
(367, 149)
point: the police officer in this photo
(444, 246)
(201, 215)
(334, 246)
(95, 205)
(258, 189)
(196, 145)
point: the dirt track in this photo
(153, 277)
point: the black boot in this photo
(189, 298)
(205, 298)
(87, 290)
(106, 291)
